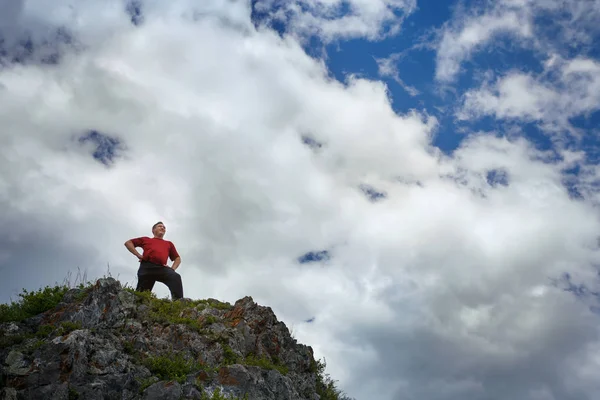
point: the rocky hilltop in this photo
(104, 341)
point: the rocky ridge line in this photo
(109, 342)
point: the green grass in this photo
(219, 305)
(171, 368)
(265, 363)
(230, 357)
(165, 311)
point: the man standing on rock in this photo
(153, 263)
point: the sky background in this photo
(412, 186)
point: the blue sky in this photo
(417, 66)
(412, 186)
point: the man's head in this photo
(159, 229)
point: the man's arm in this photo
(174, 256)
(130, 246)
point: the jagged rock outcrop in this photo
(108, 342)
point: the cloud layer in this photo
(450, 286)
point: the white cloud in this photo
(551, 102)
(439, 291)
(339, 19)
(457, 44)
(388, 67)
(543, 26)
(514, 96)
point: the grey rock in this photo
(9, 394)
(10, 328)
(16, 364)
(117, 346)
(191, 392)
(163, 391)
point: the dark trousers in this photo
(149, 273)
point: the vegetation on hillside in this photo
(32, 303)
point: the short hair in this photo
(154, 226)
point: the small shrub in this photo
(229, 356)
(44, 331)
(174, 367)
(265, 363)
(32, 303)
(10, 313)
(84, 291)
(326, 387)
(68, 326)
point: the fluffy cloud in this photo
(442, 289)
(541, 26)
(574, 90)
(515, 96)
(558, 83)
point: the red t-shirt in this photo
(156, 250)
